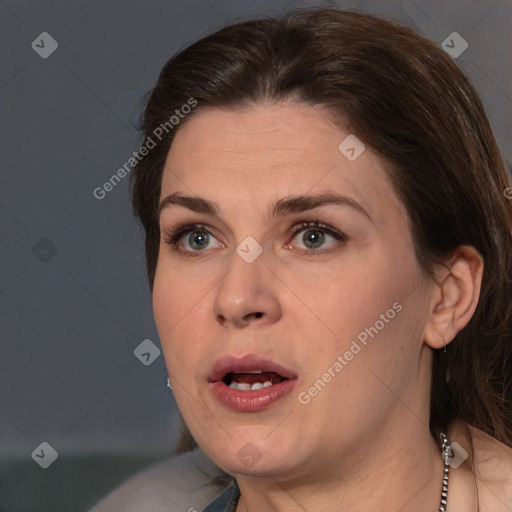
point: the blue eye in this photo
(192, 239)
(198, 240)
(313, 236)
(309, 237)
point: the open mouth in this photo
(252, 380)
(250, 383)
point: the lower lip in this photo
(251, 401)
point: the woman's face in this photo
(287, 297)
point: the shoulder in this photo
(493, 470)
(492, 463)
(182, 483)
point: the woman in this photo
(329, 252)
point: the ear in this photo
(456, 290)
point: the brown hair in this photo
(405, 98)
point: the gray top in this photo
(182, 483)
(226, 501)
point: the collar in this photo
(226, 501)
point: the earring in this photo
(447, 377)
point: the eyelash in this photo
(173, 238)
(319, 226)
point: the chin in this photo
(254, 464)
(254, 455)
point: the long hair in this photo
(407, 100)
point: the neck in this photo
(391, 469)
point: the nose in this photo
(247, 295)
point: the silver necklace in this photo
(445, 453)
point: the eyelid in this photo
(339, 237)
(174, 236)
(300, 226)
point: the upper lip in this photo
(247, 363)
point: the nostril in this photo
(241, 321)
(252, 316)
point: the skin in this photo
(363, 442)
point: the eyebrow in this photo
(284, 206)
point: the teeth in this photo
(253, 371)
(244, 386)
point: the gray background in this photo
(74, 300)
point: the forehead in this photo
(269, 151)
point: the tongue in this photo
(251, 378)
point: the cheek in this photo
(372, 303)
(182, 308)
(166, 306)
(351, 297)
(175, 295)
(173, 306)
